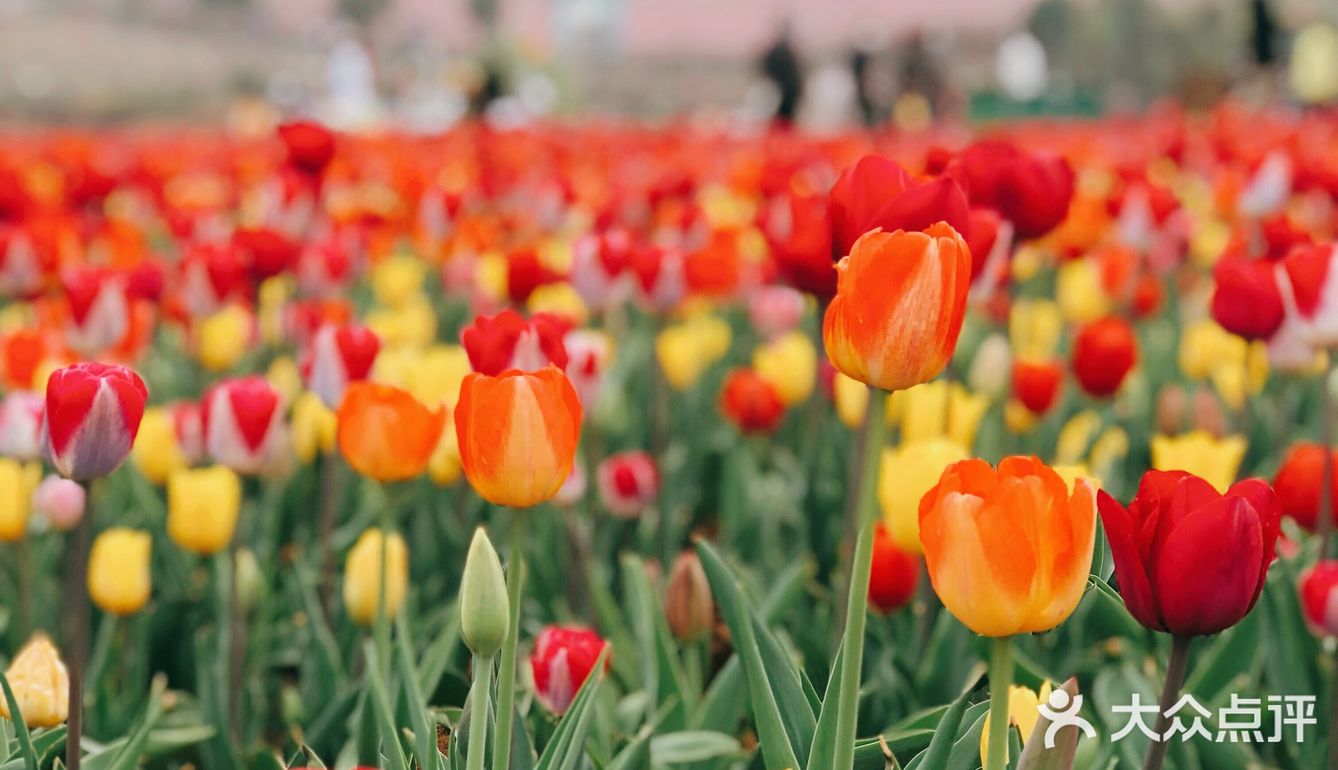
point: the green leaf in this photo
(693, 746)
(785, 720)
(129, 753)
(936, 756)
(20, 727)
(565, 750)
(429, 758)
(385, 716)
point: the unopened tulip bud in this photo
(249, 580)
(562, 660)
(1319, 600)
(362, 576)
(991, 369)
(119, 581)
(1171, 404)
(40, 683)
(92, 414)
(61, 501)
(485, 614)
(688, 605)
(202, 508)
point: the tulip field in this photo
(599, 446)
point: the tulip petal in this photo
(1210, 568)
(1130, 572)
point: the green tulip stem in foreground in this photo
(1175, 679)
(857, 601)
(506, 684)
(478, 712)
(225, 601)
(76, 626)
(1001, 679)
(381, 625)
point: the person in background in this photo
(860, 71)
(1263, 35)
(919, 72)
(781, 65)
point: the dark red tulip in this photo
(1103, 353)
(1188, 560)
(1319, 599)
(876, 192)
(799, 230)
(1246, 300)
(1030, 189)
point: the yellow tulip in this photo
(223, 338)
(1079, 292)
(436, 375)
(18, 481)
(157, 453)
(1111, 447)
(1072, 473)
(490, 275)
(1205, 347)
(286, 378)
(560, 299)
(40, 683)
(398, 280)
(991, 369)
(314, 428)
(1208, 241)
(1076, 436)
(1022, 712)
(790, 363)
(965, 411)
(118, 570)
(851, 398)
(410, 324)
(685, 350)
(1215, 460)
(937, 409)
(1034, 328)
(1018, 418)
(202, 508)
(905, 474)
(272, 299)
(362, 575)
(444, 466)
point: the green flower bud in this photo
(485, 613)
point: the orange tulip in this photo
(518, 434)
(900, 298)
(1008, 550)
(385, 433)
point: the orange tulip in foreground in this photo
(518, 434)
(900, 298)
(1008, 550)
(385, 433)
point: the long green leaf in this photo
(385, 716)
(565, 750)
(20, 727)
(428, 756)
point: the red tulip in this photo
(1313, 279)
(562, 659)
(876, 192)
(799, 230)
(188, 422)
(1299, 481)
(243, 424)
(525, 272)
(509, 341)
(267, 251)
(1246, 300)
(1319, 600)
(1037, 384)
(210, 276)
(1190, 561)
(660, 275)
(340, 355)
(1031, 190)
(310, 145)
(894, 574)
(99, 309)
(628, 482)
(92, 418)
(1103, 354)
(751, 402)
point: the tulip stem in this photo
(478, 712)
(1001, 679)
(506, 684)
(76, 627)
(1175, 679)
(857, 598)
(328, 468)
